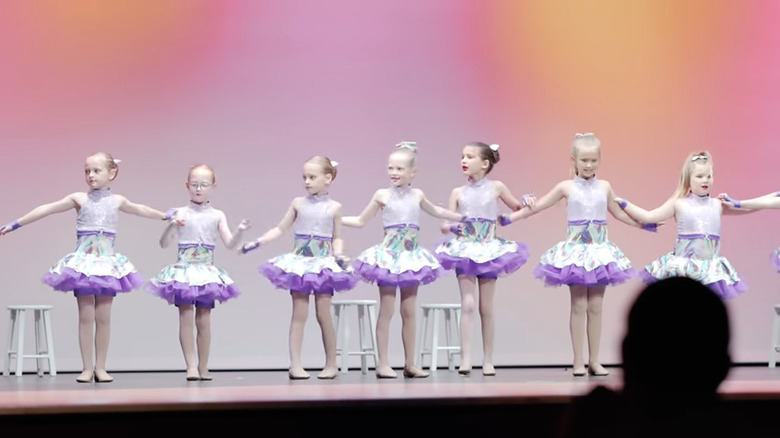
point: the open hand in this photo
(244, 225)
(528, 200)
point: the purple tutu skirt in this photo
(510, 258)
(94, 269)
(308, 274)
(609, 274)
(700, 260)
(193, 279)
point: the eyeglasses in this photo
(200, 186)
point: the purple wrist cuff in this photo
(650, 227)
(169, 214)
(13, 225)
(455, 229)
(504, 220)
(250, 247)
(623, 204)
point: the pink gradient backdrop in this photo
(256, 87)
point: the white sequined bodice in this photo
(699, 215)
(403, 207)
(99, 213)
(587, 200)
(201, 224)
(315, 216)
(478, 200)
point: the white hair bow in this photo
(334, 163)
(493, 147)
(117, 160)
(587, 134)
(407, 145)
(699, 157)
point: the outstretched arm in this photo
(506, 196)
(439, 212)
(64, 204)
(275, 232)
(230, 239)
(618, 213)
(139, 209)
(369, 212)
(733, 206)
(639, 214)
(552, 197)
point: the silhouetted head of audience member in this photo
(677, 342)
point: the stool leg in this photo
(423, 334)
(435, 343)
(448, 337)
(361, 336)
(49, 342)
(372, 329)
(345, 345)
(775, 334)
(38, 349)
(20, 344)
(9, 351)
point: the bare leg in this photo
(579, 308)
(203, 323)
(386, 308)
(102, 336)
(487, 291)
(409, 331)
(322, 304)
(595, 301)
(187, 339)
(86, 305)
(300, 311)
(467, 284)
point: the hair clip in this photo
(411, 145)
(117, 160)
(699, 157)
(587, 134)
(494, 147)
(334, 163)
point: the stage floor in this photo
(169, 391)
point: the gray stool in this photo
(366, 312)
(44, 344)
(428, 343)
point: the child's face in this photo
(200, 185)
(701, 179)
(399, 170)
(315, 179)
(471, 162)
(587, 161)
(97, 174)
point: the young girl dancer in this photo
(697, 250)
(94, 272)
(477, 255)
(586, 261)
(194, 283)
(316, 265)
(398, 262)
(770, 200)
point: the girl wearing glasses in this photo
(193, 284)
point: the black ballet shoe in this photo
(206, 378)
(193, 378)
(464, 371)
